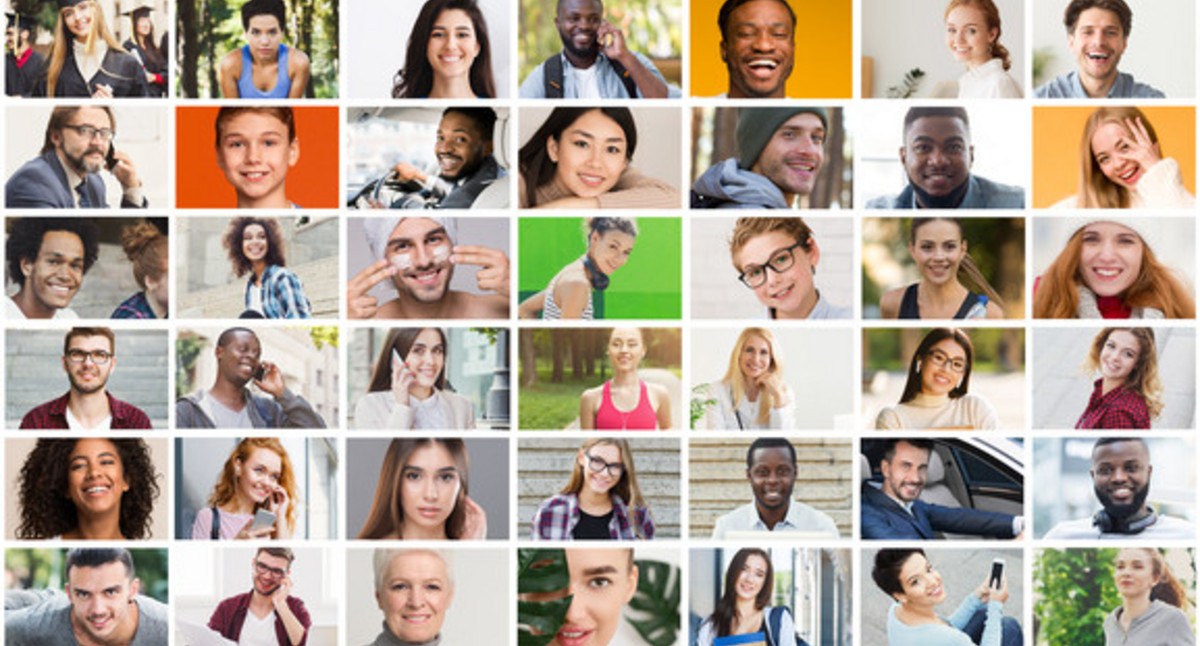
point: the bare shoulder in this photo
(480, 306)
(658, 390)
(994, 311)
(593, 394)
(231, 63)
(889, 303)
(297, 60)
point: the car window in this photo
(977, 471)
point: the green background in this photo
(647, 287)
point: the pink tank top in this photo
(641, 418)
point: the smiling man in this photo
(419, 256)
(230, 404)
(893, 509)
(771, 471)
(67, 174)
(594, 62)
(937, 155)
(780, 152)
(268, 614)
(758, 41)
(1097, 33)
(89, 360)
(101, 606)
(47, 259)
(1121, 473)
(465, 164)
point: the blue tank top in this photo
(283, 83)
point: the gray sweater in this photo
(1161, 625)
(289, 411)
(48, 622)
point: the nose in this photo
(253, 152)
(577, 611)
(422, 255)
(431, 492)
(763, 41)
(936, 157)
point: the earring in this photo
(814, 269)
(918, 370)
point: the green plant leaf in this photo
(656, 603)
(545, 617)
(541, 570)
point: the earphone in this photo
(598, 279)
(1108, 525)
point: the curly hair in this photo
(225, 489)
(147, 248)
(1143, 379)
(25, 241)
(235, 234)
(46, 509)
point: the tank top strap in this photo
(909, 309)
(967, 304)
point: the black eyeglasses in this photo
(615, 469)
(87, 132)
(943, 360)
(753, 276)
(99, 357)
(266, 570)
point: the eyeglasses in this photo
(943, 360)
(753, 276)
(615, 469)
(99, 357)
(89, 132)
(266, 570)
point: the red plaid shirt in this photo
(1120, 408)
(53, 415)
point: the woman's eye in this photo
(579, 143)
(412, 475)
(599, 582)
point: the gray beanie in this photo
(756, 126)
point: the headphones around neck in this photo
(598, 279)
(1109, 525)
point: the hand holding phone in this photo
(403, 379)
(263, 519)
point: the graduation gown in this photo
(159, 87)
(120, 70)
(19, 81)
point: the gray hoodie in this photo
(728, 186)
(1161, 625)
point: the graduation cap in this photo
(138, 8)
(64, 4)
(23, 23)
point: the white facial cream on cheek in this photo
(441, 253)
(402, 261)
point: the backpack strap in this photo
(215, 533)
(626, 78)
(552, 76)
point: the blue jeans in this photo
(1010, 635)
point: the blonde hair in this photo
(63, 40)
(626, 488)
(1156, 286)
(992, 15)
(1143, 379)
(226, 487)
(737, 382)
(1095, 190)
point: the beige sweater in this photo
(633, 191)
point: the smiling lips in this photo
(762, 67)
(429, 512)
(1122, 494)
(573, 635)
(592, 180)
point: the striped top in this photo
(552, 312)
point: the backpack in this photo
(552, 77)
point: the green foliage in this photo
(492, 333)
(1075, 591)
(699, 403)
(45, 568)
(908, 86)
(187, 349)
(549, 406)
(323, 335)
(655, 604)
(1042, 57)
(541, 571)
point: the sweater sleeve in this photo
(784, 417)
(1161, 187)
(889, 419)
(297, 413)
(637, 191)
(983, 416)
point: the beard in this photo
(580, 52)
(1119, 512)
(80, 164)
(86, 389)
(427, 295)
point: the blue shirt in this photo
(1068, 86)
(610, 83)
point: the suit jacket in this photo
(120, 71)
(883, 517)
(41, 183)
(982, 193)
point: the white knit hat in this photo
(1148, 229)
(378, 230)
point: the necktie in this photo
(81, 189)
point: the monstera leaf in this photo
(655, 605)
(541, 572)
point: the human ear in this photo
(552, 149)
(633, 581)
(294, 152)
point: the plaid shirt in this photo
(53, 415)
(1120, 408)
(282, 295)
(134, 307)
(557, 517)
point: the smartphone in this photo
(260, 371)
(997, 573)
(110, 159)
(263, 519)
(396, 360)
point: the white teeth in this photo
(763, 62)
(1098, 57)
(95, 489)
(1108, 273)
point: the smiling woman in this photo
(414, 588)
(255, 247)
(90, 488)
(745, 609)
(939, 249)
(973, 37)
(580, 158)
(752, 395)
(86, 60)
(935, 394)
(1121, 165)
(625, 402)
(255, 496)
(449, 54)
(569, 294)
(602, 500)
(1128, 393)
(409, 389)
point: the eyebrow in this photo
(409, 468)
(108, 454)
(584, 133)
(604, 569)
(927, 138)
(398, 239)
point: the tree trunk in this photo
(528, 357)
(558, 352)
(214, 84)
(191, 48)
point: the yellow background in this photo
(823, 56)
(1057, 132)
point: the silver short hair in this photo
(383, 558)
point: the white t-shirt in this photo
(13, 312)
(584, 80)
(258, 632)
(255, 294)
(75, 425)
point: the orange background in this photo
(823, 56)
(312, 183)
(1057, 132)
